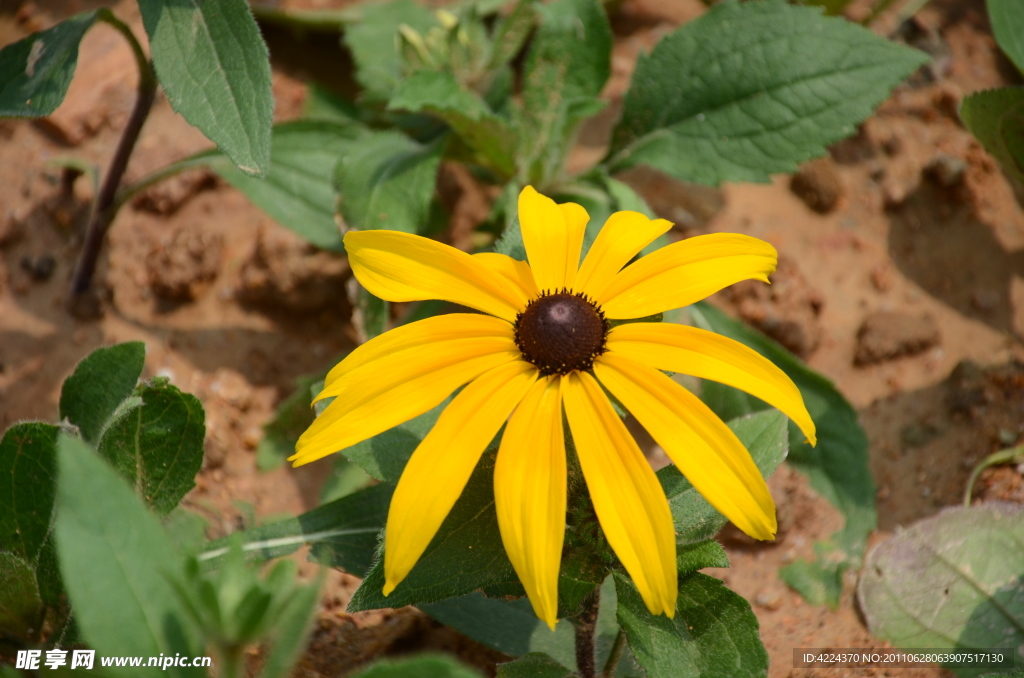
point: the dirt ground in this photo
(902, 259)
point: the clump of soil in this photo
(887, 335)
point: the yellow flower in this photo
(545, 345)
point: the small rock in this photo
(946, 170)
(769, 599)
(818, 184)
(11, 227)
(882, 278)
(184, 264)
(893, 194)
(39, 267)
(887, 335)
(287, 273)
(918, 434)
(252, 436)
(965, 387)
(984, 300)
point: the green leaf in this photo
(423, 666)
(373, 43)
(693, 557)
(819, 581)
(158, 445)
(117, 564)
(751, 89)
(292, 628)
(533, 665)
(996, 118)
(568, 63)
(292, 416)
(100, 383)
(386, 180)
(343, 533)
(838, 467)
(950, 581)
(215, 69)
(465, 554)
(326, 104)
(764, 434)
(385, 455)
(437, 93)
(21, 607)
(714, 632)
(298, 191)
(511, 34)
(1007, 19)
(28, 475)
(35, 72)
(511, 627)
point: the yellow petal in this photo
(627, 496)
(529, 494)
(684, 272)
(419, 335)
(517, 272)
(553, 242)
(703, 354)
(403, 267)
(398, 388)
(620, 239)
(439, 468)
(706, 451)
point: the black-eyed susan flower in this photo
(544, 345)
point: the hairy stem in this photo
(104, 207)
(618, 647)
(586, 625)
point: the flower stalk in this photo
(105, 206)
(585, 624)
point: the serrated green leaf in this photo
(35, 72)
(697, 556)
(343, 533)
(28, 475)
(158, 446)
(764, 434)
(423, 666)
(752, 89)
(214, 67)
(567, 65)
(491, 142)
(950, 581)
(373, 43)
(298, 191)
(533, 665)
(1007, 19)
(21, 607)
(838, 467)
(714, 632)
(387, 180)
(117, 564)
(996, 118)
(465, 554)
(100, 383)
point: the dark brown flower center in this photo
(560, 332)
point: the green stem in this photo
(126, 193)
(615, 656)
(104, 207)
(1011, 455)
(586, 626)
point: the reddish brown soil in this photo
(906, 248)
